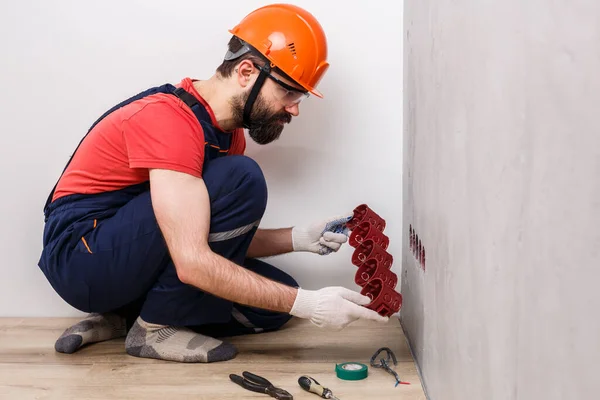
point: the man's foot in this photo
(94, 328)
(175, 344)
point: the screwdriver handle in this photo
(311, 385)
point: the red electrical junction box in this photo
(374, 263)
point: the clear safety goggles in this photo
(285, 93)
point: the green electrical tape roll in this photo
(351, 371)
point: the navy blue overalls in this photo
(122, 264)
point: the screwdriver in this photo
(311, 385)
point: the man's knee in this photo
(237, 188)
(251, 181)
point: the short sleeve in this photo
(161, 136)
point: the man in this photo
(153, 226)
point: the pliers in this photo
(259, 384)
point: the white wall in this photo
(501, 183)
(66, 62)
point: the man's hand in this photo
(333, 307)
(322, 237)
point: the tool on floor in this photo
(311, 385)
(384, 363)
(351, 371)
(259, 384)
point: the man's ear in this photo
(245, 72)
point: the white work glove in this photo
(333, 307)
(322, 237)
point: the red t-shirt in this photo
(159, 131)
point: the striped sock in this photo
(179, 344)
(94, 328)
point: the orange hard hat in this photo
(291, 38)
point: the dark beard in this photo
(264, 128)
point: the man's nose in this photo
(294, 110)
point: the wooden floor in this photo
(31, 369)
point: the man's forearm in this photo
(271, 242)
(215, 274)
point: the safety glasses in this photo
(287, 94)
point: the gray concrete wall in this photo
(502, 186)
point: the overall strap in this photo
(193, 103)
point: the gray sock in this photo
(175, 344)
(94, 328)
